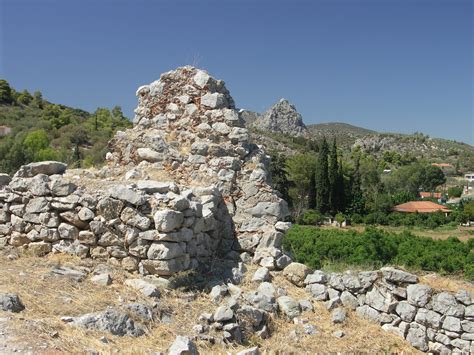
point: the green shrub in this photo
(319, 247)
(312, 217)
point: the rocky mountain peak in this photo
(282, 118)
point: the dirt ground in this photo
(47, 298)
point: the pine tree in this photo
(322, 179)
(333, 172)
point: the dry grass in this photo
(47, 298)
(450, 284)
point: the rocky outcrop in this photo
(183, 186)
(280, 118)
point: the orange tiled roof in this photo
(421, 207)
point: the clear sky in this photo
(388, 65)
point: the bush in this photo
(318, 247)
(312, 217)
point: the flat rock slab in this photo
(42, 167)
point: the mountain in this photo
(280, 118)
(345, 133)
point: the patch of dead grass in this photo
(47, 298)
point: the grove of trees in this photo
(45, 131)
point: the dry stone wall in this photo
(439, 322)
(181, 187)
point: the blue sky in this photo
(388, 65)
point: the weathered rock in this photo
(223, 313)
(168, 220)
(289, 307)
(262, 274)
(121, 192)
(398, 276)
(109, 208)
(146, 288)
(452, 324)
(183, 346)
(318, 291)
(296, 273)
(368, 313)
(339, 315)
(406, 311)
(349, 300)
(428, 318)
(282, 118)
(10, 302)
(445, 303)
(102, 279)
(417, 337)
(112, 321)
(44, 167)
(419, 295)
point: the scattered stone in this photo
(338, 334)
(10, 302)
(102, 279)
(183, 346)
(289, 306)
(250, 351)
(398, 276)
(146, 288)
(112, 321)
(223, 313)
(339, 315)
(296, 273)
(261, 275)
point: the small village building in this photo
(420, 207)
(469, 177)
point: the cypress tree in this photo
(341, 188)
(322, 179)
(357, 202)
(333, 179)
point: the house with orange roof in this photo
(420, 207)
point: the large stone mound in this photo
(182, 187)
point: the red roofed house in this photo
(420, 207)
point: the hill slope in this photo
(35, 129)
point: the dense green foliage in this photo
(45, 131)
(374, 248)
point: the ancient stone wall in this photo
(181, 187)
(430, 320)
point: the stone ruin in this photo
(182, 187)
(185, 188)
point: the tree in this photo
(279, 177)
(333, 176)
(322, 179)
(455, 191)
(357, 198)
(35, 143)
(300, 169)
(38, 99)
(6, 96)
(468, 208)
(432, 177)
(25, 98)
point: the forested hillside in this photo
(41, 130)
